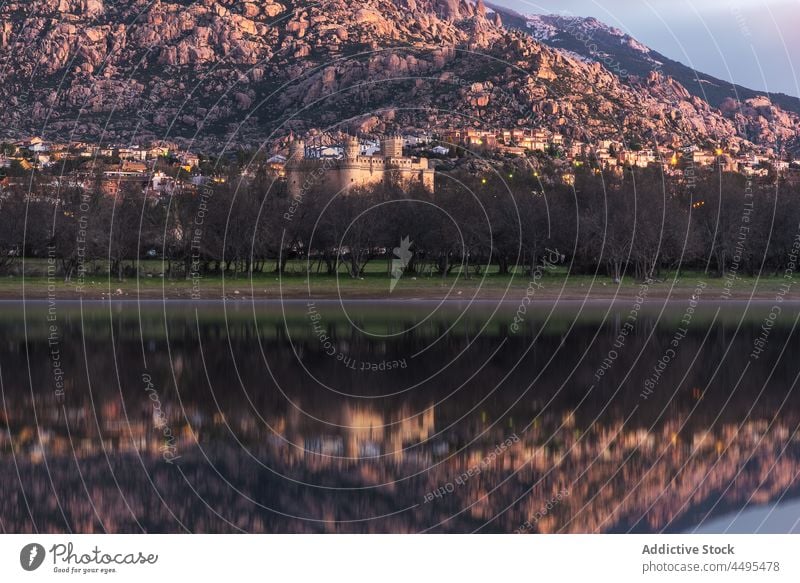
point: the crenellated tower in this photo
(352, 148)
(294, 167)
(297, 150)
(392, 147)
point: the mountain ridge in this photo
(634, 56)
(219, 72)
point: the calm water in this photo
(398, 417)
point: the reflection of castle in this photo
(354, 169)
(369, 433)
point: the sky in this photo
(755, 43)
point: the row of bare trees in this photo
(637, 225)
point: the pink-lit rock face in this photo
(212, 60)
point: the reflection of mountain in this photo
(325, 462)
(780, 517)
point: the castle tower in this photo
(349, 169)
(297, 150)
(294, 172)
(392, 147)
(352, 148)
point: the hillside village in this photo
(163, 168)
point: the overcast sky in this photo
(755, 43)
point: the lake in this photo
(397, 417)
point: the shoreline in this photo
(505, 303)
(515, 293)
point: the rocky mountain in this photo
(222, 73)
(590, 40)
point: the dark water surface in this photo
(397, 417)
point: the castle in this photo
(353, 169)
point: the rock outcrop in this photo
(215, 69)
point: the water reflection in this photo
(773, 518)
(268, 420)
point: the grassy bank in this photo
(375, 284)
